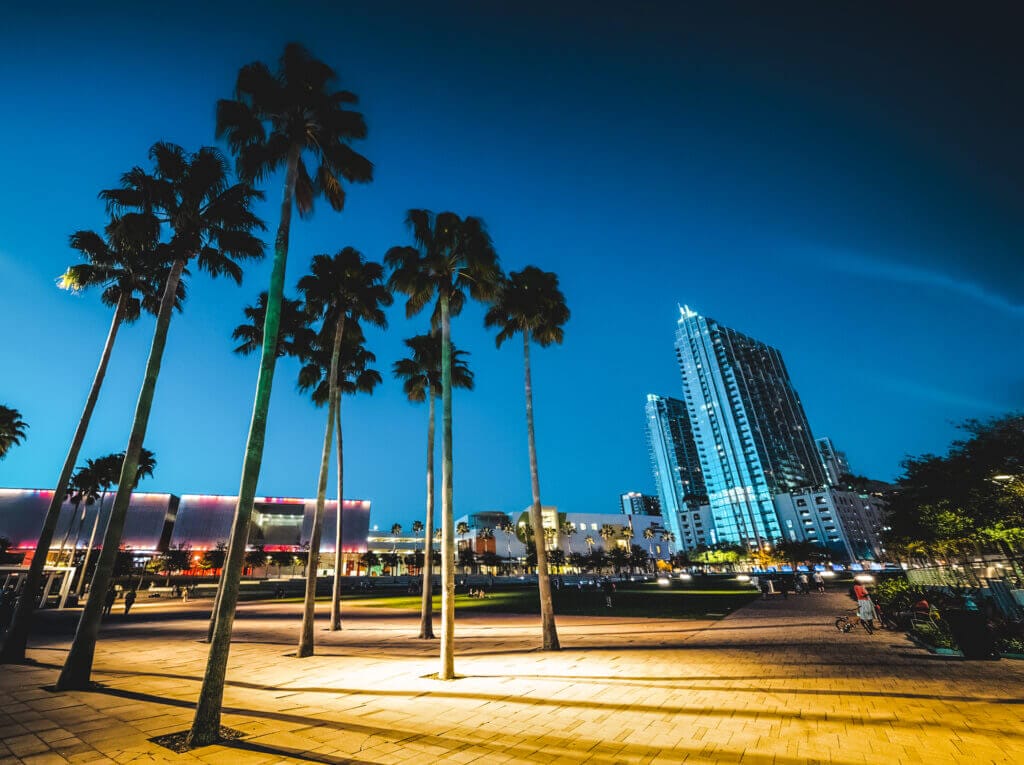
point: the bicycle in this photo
(846, 623)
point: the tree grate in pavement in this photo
(179, 743)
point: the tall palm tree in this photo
(568, 529)
(421, 380)
(211, 222)
(12, 429)
(107, 471)
(131, 271)
(351, 375)
(82, 490)
(343, 290)
(451, 257)
(531, 304)
(607, 532)
(295, 338)
(649, 536)
(277, 120)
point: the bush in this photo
(933, 635)
(897, 594)
(1010, 645)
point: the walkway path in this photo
(773, 683)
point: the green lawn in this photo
(639, 601)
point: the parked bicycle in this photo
(846, 623)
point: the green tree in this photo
(420, 373)
(276, 120)
(530, 303)
(619, 558)
(130, 270)
(343, 290)
(369, 560)
(211, 223)
(452, 257)
(13, 430)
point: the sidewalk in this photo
(773, 683)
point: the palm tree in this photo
(343, 290)
(452, 256)
(106, 472)
(531, 304)
(276, 120)
(295, 338)
(421, 380)
(462, 528)
(352, 376)
(589, 542)
(649, 536)
(131, 270)
(607, 532)
(294, 335)
(12, 429)
(82, 489)
(568, 529)
(668, 536)
(211, 222)
(509, 531)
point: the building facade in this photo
(157, 522)
(675, 464)
(751, 434)
(636, 503)
(835, 462)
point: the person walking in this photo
(819, 582)
(805, 584)
(108, 600)
(865, 608)
(129, 601)
(608, 587)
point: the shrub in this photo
(1010, 645)
(933, 635)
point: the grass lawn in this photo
(635, 601)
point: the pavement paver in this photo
(772, 683)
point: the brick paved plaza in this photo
(773, 683)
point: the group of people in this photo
(111, 596)
(800, 584)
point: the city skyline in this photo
(761, 207)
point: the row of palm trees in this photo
(185, 212)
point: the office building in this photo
(635, 503)
(836, 464)
(676, 466)
(751, 435)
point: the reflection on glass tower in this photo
(749, 426)
(674, 461)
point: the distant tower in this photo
(750, 430)
(836, 464)
(674, 462)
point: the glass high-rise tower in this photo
(749, 427)
(675, 464)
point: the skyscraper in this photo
(676, 466)
(749, 427)
(836, 464)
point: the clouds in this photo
(920, 276)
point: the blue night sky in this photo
(843, 186)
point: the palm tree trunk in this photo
(447, 670)
(427, 607)
(12, 646)
(335, 397)
(547, 608)
(78, 665)
(206, 723)
(306, 641)
(67, 534)
(88, 550)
